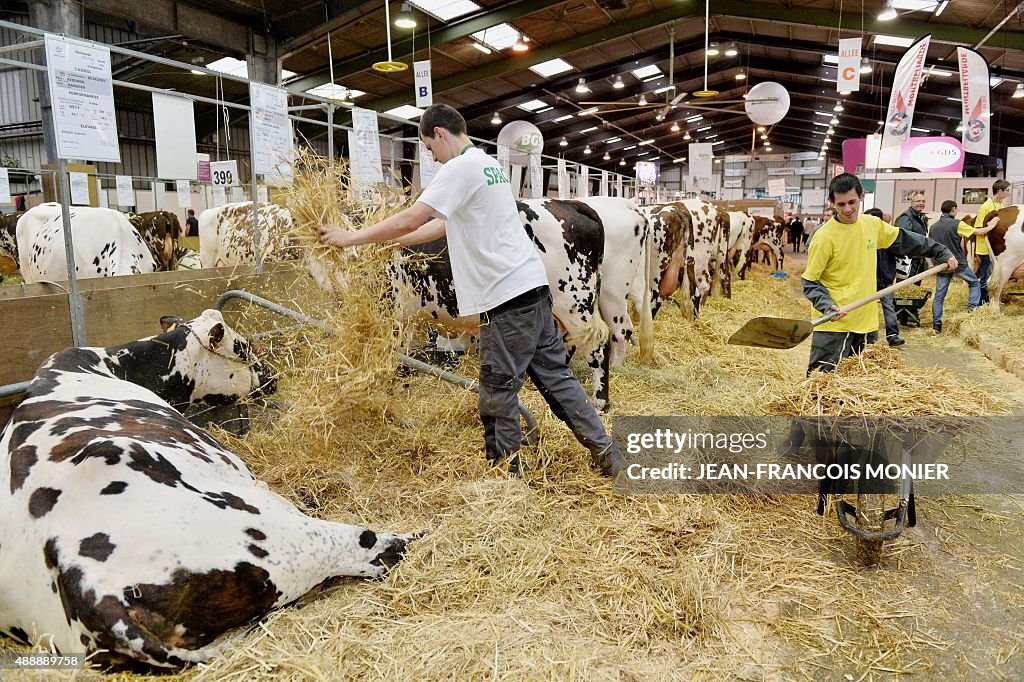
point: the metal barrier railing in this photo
(532, 434)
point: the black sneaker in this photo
(937, 326)
(896, 341)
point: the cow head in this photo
(215, 361)
(9, 242)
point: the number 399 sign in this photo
(224, 173)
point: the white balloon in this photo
(522, 139)
(767, 103)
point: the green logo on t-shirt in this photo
(495, 176)
(871, 243)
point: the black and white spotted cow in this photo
(9, 243)
(569, 238)
(226, 234)
(128, 532)
(767, 240)
(160, 231)
(106, 244)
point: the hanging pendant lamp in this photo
(390, 66)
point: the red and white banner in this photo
(848, 71)
(977, 100)
(909, 73)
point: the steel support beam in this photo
(172, 16)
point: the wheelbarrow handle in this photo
(879, 294)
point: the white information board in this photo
(219, 198)
(125, 194)
(82, 95)
(536, 177)
(184, 188)
(79, 188)
(428, 167)
(174, 125)
(271, 133)
(5, 187)
(366, 167)
(262, 194)
(563, 180)
(777, 187)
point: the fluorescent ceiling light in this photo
(561, 118)
(921, 130)
(664, 89)
(818, 123)
(626, 149)
(954, 99)
(587, 112)
(334, 91)
(500, 37)
(445, 10)
(482, 48)
(719, 142)
(237, 67)
(654, 158)
(652, 79)
(587, 130)
(533, 105)
(406, 111)
(939, 72)
(941, 7)
(643, 153)
(647, 71)
(647, 142)
(698, 117)
(994, 81)
(541, 111)
(830, 59)
(612, 139)
(824, 113)
(895, 41)
(711, 137)
(701, 130)
(552, 67)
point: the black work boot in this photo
(937, 326)
(610, 460)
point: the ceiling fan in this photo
(673, 102)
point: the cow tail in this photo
(996, 277)
(589, 337)
(646, 316)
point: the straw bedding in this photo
(552, 576)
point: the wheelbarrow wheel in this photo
(870, 517)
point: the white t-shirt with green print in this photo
(492, 257)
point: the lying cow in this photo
(569, 238)
(160, 231)
(106, 244)
(128, 532)
(226, 234)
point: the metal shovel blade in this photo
(772, 332)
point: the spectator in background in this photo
(947, 231)
(808, 223)
(797, 229)
(914, 220)
(192, 225)
(1000, 190)
(884, 276)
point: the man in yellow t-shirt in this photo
(1000, 190)
(841, 265)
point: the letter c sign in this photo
(848, 73)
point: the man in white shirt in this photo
(498, 275)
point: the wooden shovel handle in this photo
(879, 294)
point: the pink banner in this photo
(928, 154)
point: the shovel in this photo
(779, 332)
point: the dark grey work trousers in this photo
(520, 337)
(828, 348)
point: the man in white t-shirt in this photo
(498, 275)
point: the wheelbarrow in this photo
(908, 307)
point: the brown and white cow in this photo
(105, 244)
(160, 231)
(129, 533)
(1006, 242)
(9, 243)
(226, 234)
(741, 238)
(768, 240)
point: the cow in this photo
(1006, 242)
(226, 235)
(9, 243)
(187, 259)
(741, 239)
(704, 228)
(767, 239)
(569, 238)
(160, 231)
(624, 274)
(105, 244)
(129, 533)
